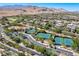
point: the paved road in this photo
(59, 50)
(32, 40)
(22, 47)
(67, 53)
(11, 48)
(34, 52)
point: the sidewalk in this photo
(74, 53)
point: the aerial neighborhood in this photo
(38, 31)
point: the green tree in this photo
(26, 43)
(47, 25)
(17, 40)
(58, 30)
(31, 45)
(75, 45)
(21, 54)
(39, 48)
(33, 23)
(4, 20)
(17, 46)
(77, 30)
(49, 52)
(41, 39)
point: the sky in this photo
(67, 6)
